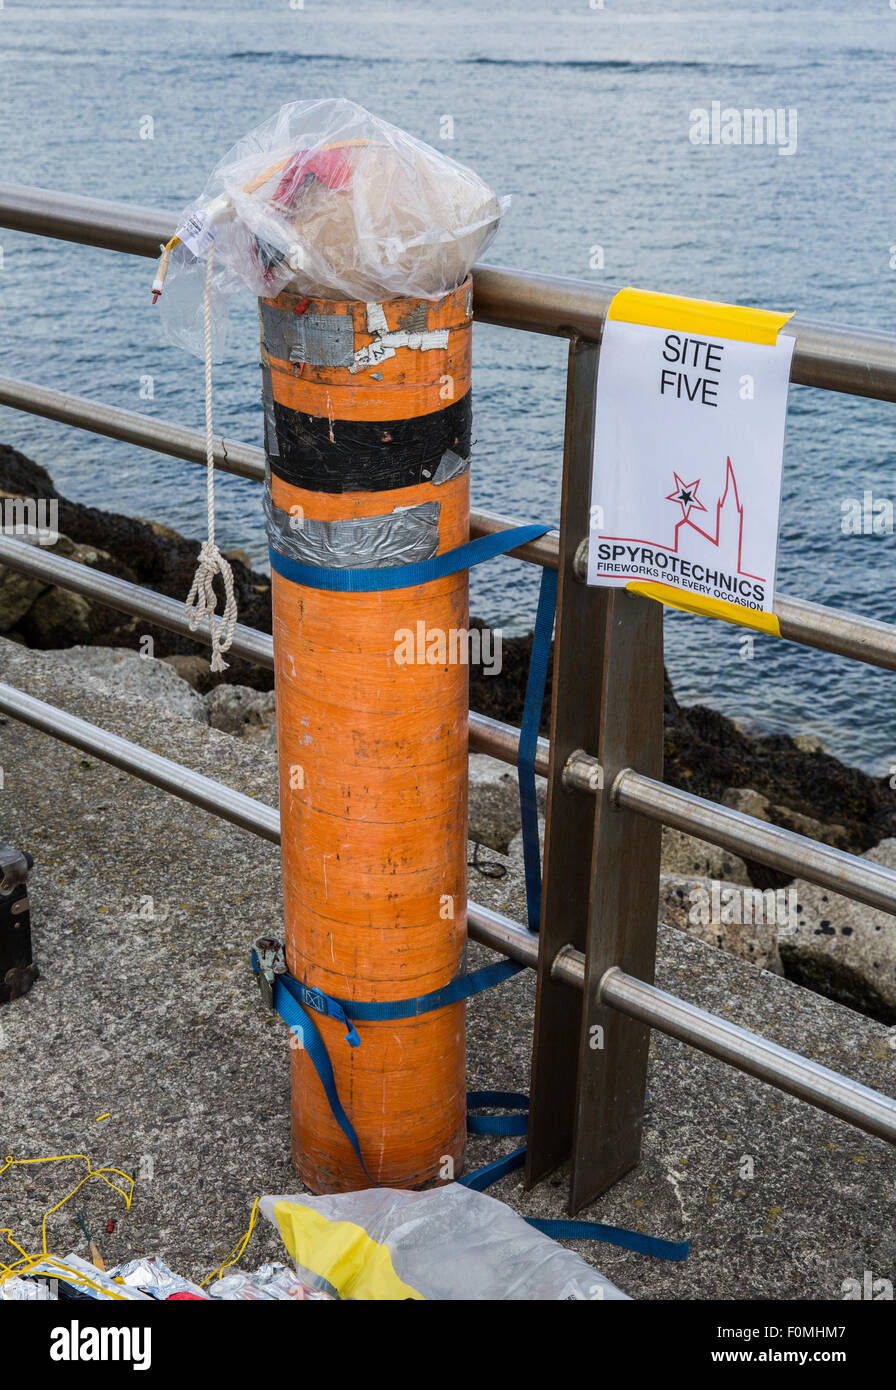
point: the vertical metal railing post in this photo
(571, 813)
(623, 905)
(601, 864)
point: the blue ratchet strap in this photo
(368, 581)
(612, 1235)
(292, 999)
(348, 1011)
(482, 1178)
(528, 747)
(497, 1124)
(305, 1029)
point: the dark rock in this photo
(501, 697)
(842, 948)
(145, 553)
(44, 616)
(192, 669)
(236, 709)
(57, 617)
(752, 803)
(17, 593)
(708, 754)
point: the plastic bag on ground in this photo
(445, 1243)
(329, 201)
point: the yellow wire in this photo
(240, 1247)
(27, 1261)
(19, 1266)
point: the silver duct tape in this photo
(451, 465)
(416, 320)
(324, 340)
(402, 537)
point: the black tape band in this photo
(365, 455)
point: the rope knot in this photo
(201, 599)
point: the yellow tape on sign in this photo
(709, 607)
(701, 316)
(342, 1253)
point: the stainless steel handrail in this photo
(833, 356)
(810, 624)
(751, 1053)
(860, 879)
(40, 563)
(146, 431)
(868, 1109)
(857, 878)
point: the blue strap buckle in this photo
(324, 1004)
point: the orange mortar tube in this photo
(373, 752)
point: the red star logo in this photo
(686, 495)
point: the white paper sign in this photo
(688, 449)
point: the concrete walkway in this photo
(143, 907)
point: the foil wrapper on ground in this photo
(272, 1282)
(17, 1290)
(151, 1276)
(77, 1278)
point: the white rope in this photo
(201, 599)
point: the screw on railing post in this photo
(575, 723)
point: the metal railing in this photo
(602, 835)
(833, 356)
(788, 1070)
(811, 624)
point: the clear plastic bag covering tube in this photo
(446, 1243)
(328, 201)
